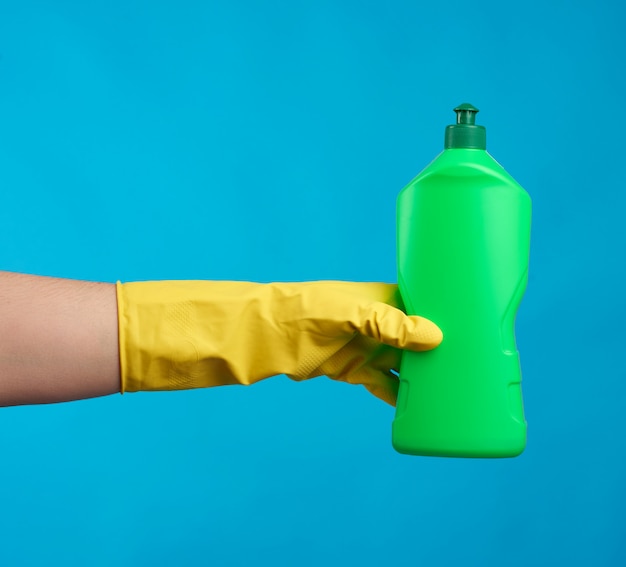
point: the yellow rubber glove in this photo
(192, 334)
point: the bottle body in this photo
(463, 249)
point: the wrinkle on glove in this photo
(195, 334)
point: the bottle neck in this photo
(468, 136)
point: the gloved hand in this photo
(192, 334)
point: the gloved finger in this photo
(382, 385)
(385, 358)
(392, 327)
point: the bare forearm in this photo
(58, 340)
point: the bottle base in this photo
(439, 448)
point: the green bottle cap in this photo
(466, 134)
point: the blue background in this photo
(267, 141)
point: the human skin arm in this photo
(58, 340)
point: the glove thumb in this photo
(390, 326)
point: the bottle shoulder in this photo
(456, 164)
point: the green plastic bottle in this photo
(463, 248)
